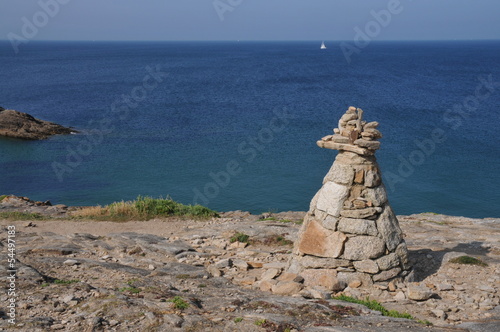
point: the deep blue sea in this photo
(234, 125)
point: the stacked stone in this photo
(350, 233)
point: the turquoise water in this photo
(234, 125)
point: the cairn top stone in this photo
(353, 134)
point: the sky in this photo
(249, 19)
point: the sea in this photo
(234, 125)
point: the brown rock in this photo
(266, 285)
(355, 284)
(359, 176)
(360, 213)
(319, 241)
(321, 277)
(346, 147)
(286, 288)
(22, 125)
(372, 145)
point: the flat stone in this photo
(388, 261)
(337, 138)
(345, 147)
(287, 276)
(270, 274)
(367, 266)
(360, 213)
(377, 195)
(339, 173)
(373, 124)
(350, 158)
(372, 145)
(331, 198)
(386, 275)
(348, 117)
(363, 247)
(374, 132)
(286, 288)
(319, 241)
(70, 262)
(388, 227)
(357, 226)
(321, 277)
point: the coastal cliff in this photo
(22, 125)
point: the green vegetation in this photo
(276, 240)
(145, 208)
(240, 237)
(14, 216)
(2, 197)
(132, 290)
(280, 220)
(179, 303)
(238, 319)
(468, 260)
(374, 305)
(260, 322)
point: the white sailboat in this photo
(323, 46)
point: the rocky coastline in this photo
(190, 275)
(24, 126)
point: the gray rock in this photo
(377, 195)
(388, 261)
(70, 262)
(419, 293)
(372, 179)
(357, 226)
(330, 222)
(341, 174)
(173, 320)
(386, 275)
(224, 263)
(363, 247)
(388, 227)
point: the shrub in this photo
(468, 260)
(144, 208)
(240, 237)
(179, 303)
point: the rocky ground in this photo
(22, 125)
(186, 275)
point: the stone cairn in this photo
(350, 235)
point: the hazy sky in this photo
(249, 19)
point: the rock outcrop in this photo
(22, 125)
(350, 233)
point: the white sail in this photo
(323, 46)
